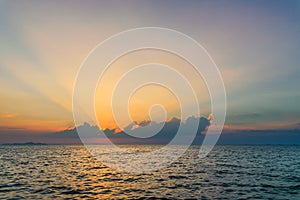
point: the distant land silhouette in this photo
(25, 143)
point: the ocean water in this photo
(229, 172)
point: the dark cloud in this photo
(9, 128)
(91, 134)
(169, 130)
(261, 137)
(166, 134)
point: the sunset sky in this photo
(255, 44)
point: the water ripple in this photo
(229, 172)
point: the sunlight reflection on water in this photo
(42, 172)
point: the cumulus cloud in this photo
(165, 135)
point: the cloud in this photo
(9, 128)
(8, 115)
(92, 134)
(169, 130)
(260, 137)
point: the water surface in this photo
(229, 172)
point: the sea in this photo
(228, 172)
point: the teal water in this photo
(229, 172)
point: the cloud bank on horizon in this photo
(92, 135)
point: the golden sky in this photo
(43, 45)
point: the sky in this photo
(255, 45)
